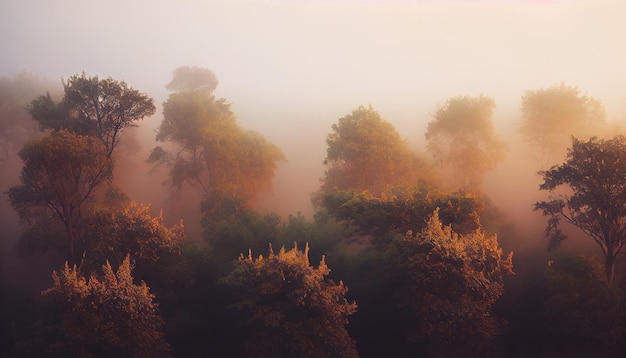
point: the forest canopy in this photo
(416, 256)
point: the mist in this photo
(292, 68)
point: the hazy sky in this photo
(278, 54)
(293, 67)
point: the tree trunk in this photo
(69, 227)
(609, 270)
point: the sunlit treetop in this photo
(293, 309)
(103, 316)
(455, 281)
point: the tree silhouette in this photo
(595, 172)
(95, 107)
(61, 173)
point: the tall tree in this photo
(551, 115)
(294, 310)
(212, 152)
(365, 152)
(595, 172)
(61, 172)
(462, 140)
(91, 106)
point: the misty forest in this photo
(152, 223)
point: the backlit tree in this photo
(595, 172)
(95, 107)
(61, 173)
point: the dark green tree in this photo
(595, 173)
(462, 140)
(582, 315)
(399, 209)
(293, 309)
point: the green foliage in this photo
(366, 153)
(584, 316)
(212, 152)
(399, 209)
(248, 229)
(454, 283)
(90, 106)
(107, 316)
(461, 138)
(293, 309)
(550, 116)
(594, 171)
(61, 172)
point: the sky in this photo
(291, 68)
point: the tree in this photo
(595, 172)
(366, 153)
(192, 78)
(212, 152)
(454, 282)
(61, 172)
(461, 139)
(399, 209)
(551, 115)
(293, 308)
(16, 125)
(127, 229)
(107, 316)
(90, 106)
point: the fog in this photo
(291, 68)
